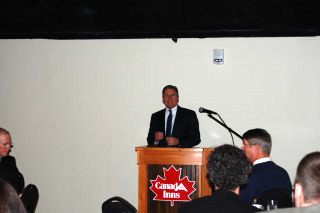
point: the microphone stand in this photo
(225, 126)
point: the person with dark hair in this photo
(265, 175)
(173, 126)
(307, 183)
(9, 199)
(307, 186)
(227, 169)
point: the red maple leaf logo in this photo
(172, 188)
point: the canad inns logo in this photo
(172, 188)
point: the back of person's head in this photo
(170, 87)
(228, 167)
(261, 137)
(9, 199)
(308, 176)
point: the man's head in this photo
(170, 96)
(228, 168)
(256, 144)
(9, 199)
(307, 184)
(5, 142)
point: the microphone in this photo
(203, 110)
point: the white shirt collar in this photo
(262, 160)
(173, 110)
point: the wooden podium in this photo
(152, 160)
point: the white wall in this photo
(77, 109)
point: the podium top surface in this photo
(196, 149)
(168, 155)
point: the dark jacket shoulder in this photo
(10, 173)
(220, 201)
(185, 110)
(8, 161)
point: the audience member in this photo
(9, 199)
(265, 173)
(227, 169)
(307, 186)
(10, 173)
(8, 167)
(173, 126)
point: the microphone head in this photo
(201, 110)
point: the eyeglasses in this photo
(7, 144)
(247, 144)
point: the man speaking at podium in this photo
(173, 126)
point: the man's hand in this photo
(172, 141)
(158, 136)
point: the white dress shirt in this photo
(174, 113)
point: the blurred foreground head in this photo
(9, 199)
(307, 184)
(228, 168)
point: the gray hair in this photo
(261, 137)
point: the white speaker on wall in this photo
(218, 56)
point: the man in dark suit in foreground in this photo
(173, 126)
(228, 168)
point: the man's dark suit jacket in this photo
(265, 176)
(219, 202)
(185, 128)
(10, 173)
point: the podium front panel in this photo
(191, 171)
(153, 160)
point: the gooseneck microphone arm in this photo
(225, 126)
(209, 113)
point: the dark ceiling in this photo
(70, 19)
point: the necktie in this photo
(169, 124)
